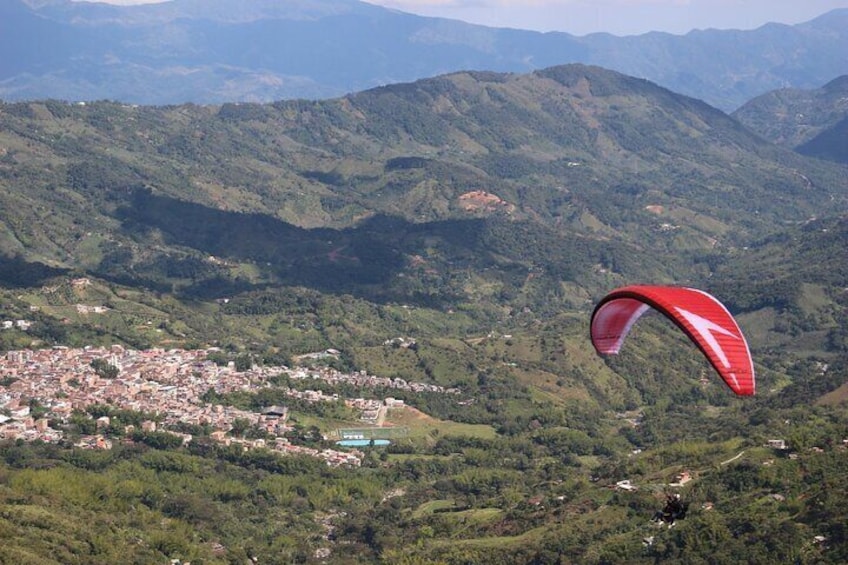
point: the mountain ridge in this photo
(572, 156)
(350, 46)
(792, 117)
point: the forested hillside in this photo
(570, 150)
(456, 232)
(811, 121)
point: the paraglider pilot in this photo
(673, 510)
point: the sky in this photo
(619, 17)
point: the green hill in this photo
(473, 200)
(793, 117)
(571, 152)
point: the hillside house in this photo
(276, 412)
(681, 479)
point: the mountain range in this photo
(261, 51)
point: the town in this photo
(170, 384)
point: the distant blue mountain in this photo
(214, 51)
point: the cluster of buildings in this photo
(22, 325)
(167, 383)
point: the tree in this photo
(243, 362)
(104, 369)
(240, 426)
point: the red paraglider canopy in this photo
(704, 319)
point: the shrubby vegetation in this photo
(529, 497)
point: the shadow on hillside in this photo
(15, 272)
(362, 261)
